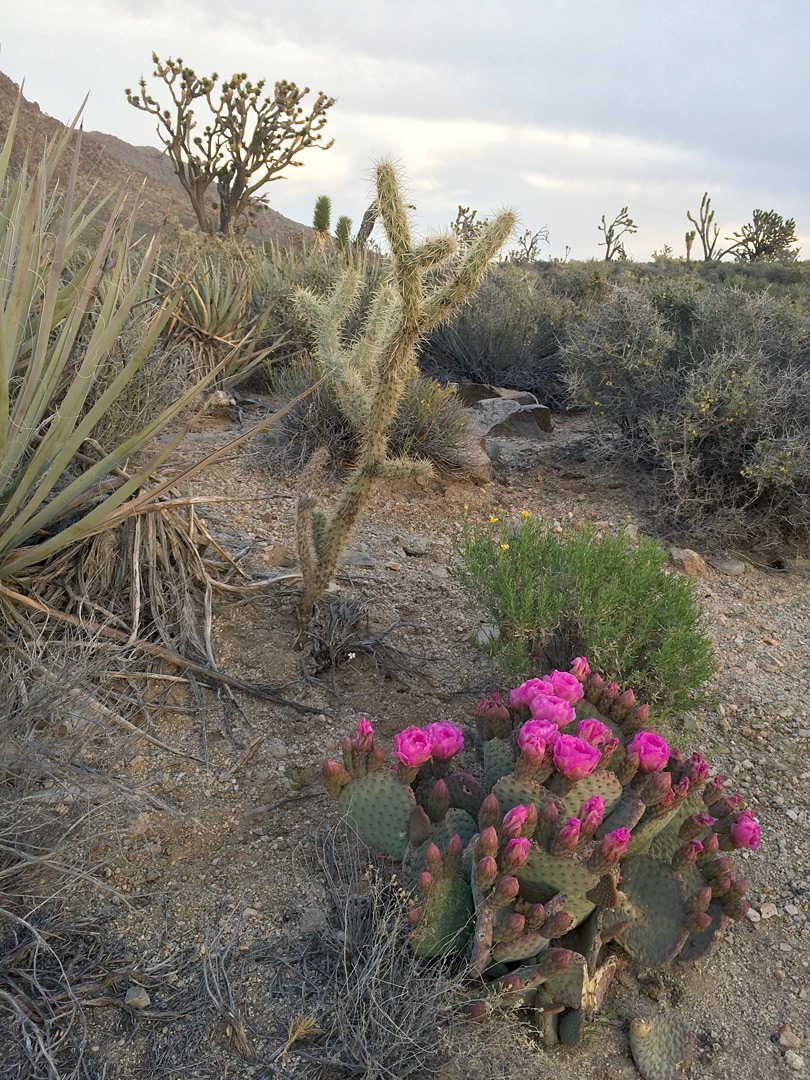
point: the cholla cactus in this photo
(584, 828)
(369, 376)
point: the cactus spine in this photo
(370, 376)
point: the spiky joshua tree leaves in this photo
(249, 141)
(564, 825)
(428, 282)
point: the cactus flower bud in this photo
(711, 845)
(593, 732)
(493, 709)
(485, 872)
(515, 854)
(489, 813)
(591, 813)
(721, 885)
(626, 700)
(487, 842)
(700, 899)
(476, 1010)
(433, 860)
(425, 883)
(567, 836)
(614, 844)
(535, 917)
(686, 855)
(574, 758)
(335, 777)
(564, 686)
(744, 832)
(515, 924)
(415, 916)
(736, 909)
(364, 738)
(652, 750)
(580, 669)
(681, 789)
(697, 921)
(507, 889)
(413, 746)
(716, 868)
(636, 719)
(738, 887)
(438, 801)
(448, 740)
(453, 852)
(697, 769)
(694, 825)
(712, 791)
(550, 813)
(594, 685)
(346, 750)
(553, 709)
(557, 925)
(513, 822)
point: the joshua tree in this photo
(690, 239)
(321, 218)
(706, 230)
(621, 224)
(767, 238)
(249, 141)
(370, 375)
(343, 232)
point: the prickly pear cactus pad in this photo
(564, 837)
(662, 1047)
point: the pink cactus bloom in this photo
(574, 758)
(594, 732)
(580, 669)
(614, 844)
(697, 769)
(535, 736)
(652, 750)
(516, 853)
(514, 819)
(591, 812)
(691, 849)
(413, 746)
(523, 695)
(745, 831)
(553, 709)
(448, 740)
(565, 686)
(364, 739)
(568, 833)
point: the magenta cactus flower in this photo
(574, 758)
(744, 831)
(516, 853)
(580, 669)
(568, 834)
(364, 737)
(553, 709)
(594, 732)
(523, 695)
(413, 746)
(448, 740)
(652, 750)
(535, 736)
(564, 686)
(591, 813)
(614, 844)
(697, 769)
(513, 821)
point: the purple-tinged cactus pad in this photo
(701, 942)
(603, 783)
(378, 808)
(662, 1047)
(656, 904)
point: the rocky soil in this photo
(235, 851)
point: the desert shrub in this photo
(557, 595)
(506, 335)
(430, 422)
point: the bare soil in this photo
(234, 855)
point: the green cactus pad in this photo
(465, 792)
(556, 873)
(661, 1047)
(701, 942)
(567, 988)
(667, 842)
(656, 905)
(378, 808)
(569, 1027)
(455, 822)
(499, 760)
(626, 814)
(446, 925)
(521, 948)
(644, 834)
(603, 783)
(511, 792)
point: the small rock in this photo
(791, 909)
(753, 915)
(137, 998)
(632, 533)
(250, 911)
(725, 564)
(768, 911)
(356, 558)
(788, 1039)
(313, 919)
(487, 633)
(794, 1061)
(688, 561)
(280, 555)
(152, 875)
(439, 572)
(415, 546)
(220, 403)
(471, 393)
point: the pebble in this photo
(415, 546)
(791, 909)
(788, 1039)
(137, 998)
(768, 911)
(794, 1061)
(488, 633)
(753, 915)
(725, 564)
(688, 561)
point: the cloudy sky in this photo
(564, 109)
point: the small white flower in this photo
(352, 655)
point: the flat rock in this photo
(415, 546)
(501, 417)
(356, 558)
(470, 393)
(471, 461)
(725, 564)
(788, 1039)
(688, 561)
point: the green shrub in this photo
(430, 422)
(555, 596)
(506, 335)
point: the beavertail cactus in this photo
(567, 829)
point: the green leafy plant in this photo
(370, 375)
(560, 824)
(556, 594)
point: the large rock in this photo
(506, 418)
(471, 392)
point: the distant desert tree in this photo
(705, 228)
(767, 238)
(622, 224)
(248, 141)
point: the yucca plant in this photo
(61, 313)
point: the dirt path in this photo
(242, 829)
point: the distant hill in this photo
(110, 164)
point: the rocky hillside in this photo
(109, 164)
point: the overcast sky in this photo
(563, 109)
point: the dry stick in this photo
(158, 651)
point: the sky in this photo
(562, 109)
